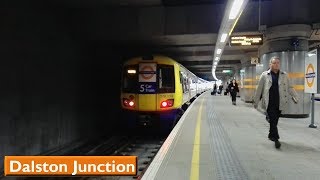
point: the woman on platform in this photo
(233, 89)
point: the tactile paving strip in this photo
(226, 163)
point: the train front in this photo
(148, 94)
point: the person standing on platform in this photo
(227, 89)
(214, 89)
(233, 89)
(273, 90)
(220, 89)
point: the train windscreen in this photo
(165, 79)
(130, 79)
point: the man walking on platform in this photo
(273, 90)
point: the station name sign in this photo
(246, 40)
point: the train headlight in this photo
(166, 103)
(131, 103)
(128, 102)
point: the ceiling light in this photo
(218, 51)
(217, 59)
(223, 37)
(236, 6)
(215, 63)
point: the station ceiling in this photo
(187, 30)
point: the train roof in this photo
(157, 57)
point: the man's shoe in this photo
(277, 144)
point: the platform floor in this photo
(217, 140)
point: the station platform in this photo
(217, 140)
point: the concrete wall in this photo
(53, 82)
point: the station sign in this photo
(246, 40)
(311, 82)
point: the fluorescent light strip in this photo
(223, 37)
(236, 21)
(236, 6)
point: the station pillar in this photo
(289, 43)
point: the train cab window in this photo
(130, 79)
(165, 79)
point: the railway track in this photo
(144, 147)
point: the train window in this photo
(165, 79)
(181, 81)
(185, 84)
(130, 79)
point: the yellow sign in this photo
(70, 165)
(246, 40)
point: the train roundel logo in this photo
(310, 75)
(147, 72)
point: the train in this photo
(156, 90)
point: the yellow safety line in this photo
(195, 165)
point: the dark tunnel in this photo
(60, 83)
